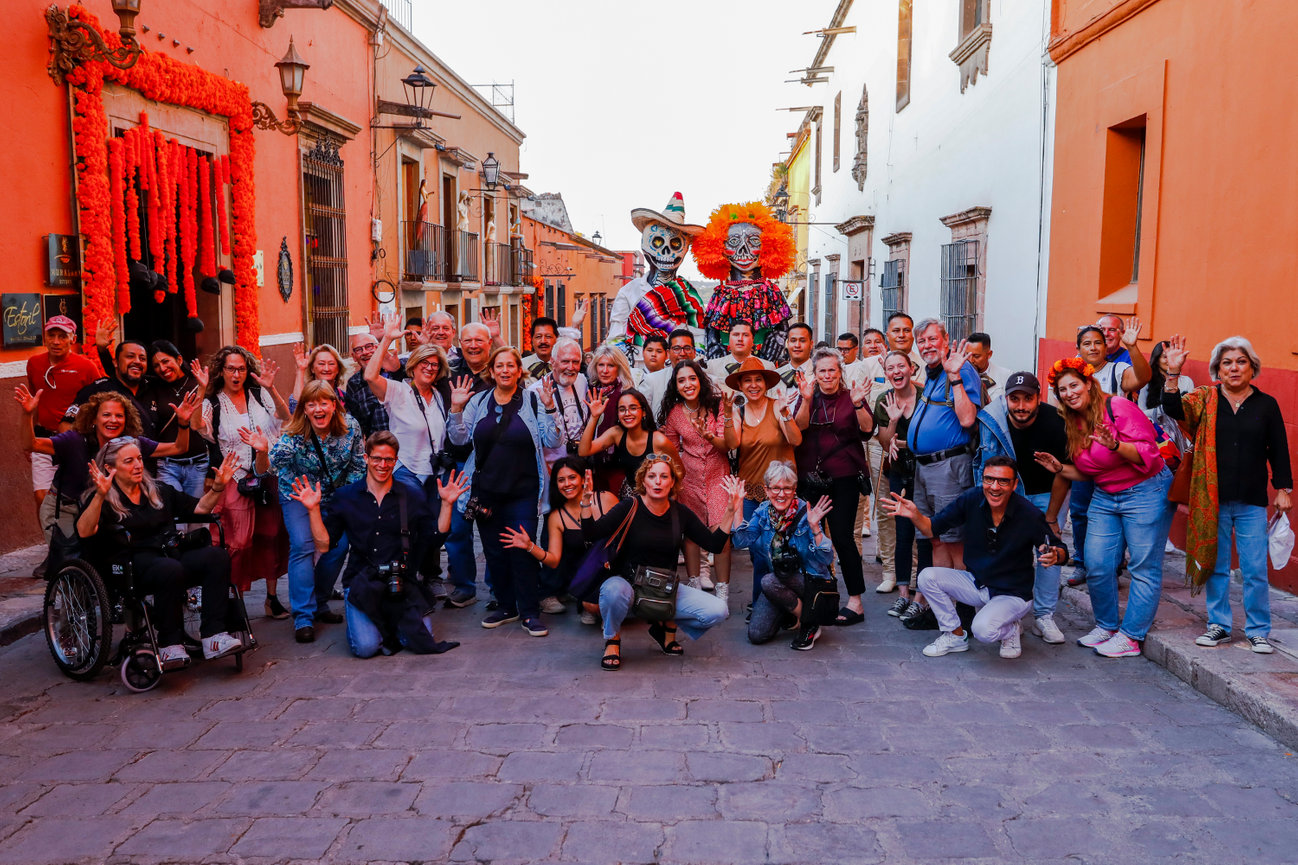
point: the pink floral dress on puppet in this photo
(748, 248)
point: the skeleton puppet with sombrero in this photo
(660, 301)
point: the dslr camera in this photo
(394, 575)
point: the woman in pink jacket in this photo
(1111, 442)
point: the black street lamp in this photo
(419, 92)
(490, 171)
(596, 238)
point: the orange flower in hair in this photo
(1069, 364)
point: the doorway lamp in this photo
(292, 74)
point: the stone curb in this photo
(1262, 689)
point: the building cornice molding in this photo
(972, 54)
(964, 217)
(897, 238)
(322, 118)
(855, 225)
(1064, 45)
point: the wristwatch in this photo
(954, 381)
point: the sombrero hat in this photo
(751, 365)
(673, 216)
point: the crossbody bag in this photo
(655, 589)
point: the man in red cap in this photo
(55, 377)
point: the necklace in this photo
(1236, 403)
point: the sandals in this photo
(611, 661)
(660, 634)
(848, 616)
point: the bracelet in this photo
(859, 405)
(219, 489)
(182, 425)
(1116, 445)
(953, 382)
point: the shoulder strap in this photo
(1108, 407)
(623, 528)
(676, 524)
(419, 401)
(324, 463)
(405, 522)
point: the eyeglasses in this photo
(234, 369)
(657, 458)
(430, 365)
(382, 461)
(779, 491)
(989, 481)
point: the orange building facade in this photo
(1175, 197)
(321, 227)
(570, 269)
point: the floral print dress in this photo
(705, 465)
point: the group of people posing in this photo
(589, 480)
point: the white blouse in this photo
(260, 416)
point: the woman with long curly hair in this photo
(1112, 444)
(691, 419)
(244, 419)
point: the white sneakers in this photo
(1047, 630)
(947, 643)
(1118, 646)
(1096, 636)
(552, 606)
(220, 645)
(886, 586)
(174, 654)
(1011, 646)
(723, 592)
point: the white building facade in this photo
(930, 169)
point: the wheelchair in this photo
(81, 610)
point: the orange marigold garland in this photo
(162, 79)
(222, 166)
(132, 158)
(206, 240)
(117, 223)
(778, 249)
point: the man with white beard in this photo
(570, 398)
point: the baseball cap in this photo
(61, 322)
(1022, 382)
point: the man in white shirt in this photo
(741, 348)
(993, 376)
(799, 343)
(655, 371)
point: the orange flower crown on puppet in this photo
(778, 251)
(1069, 364)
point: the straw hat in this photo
(673, 216)
(750, 365)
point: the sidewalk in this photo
(1263, 689)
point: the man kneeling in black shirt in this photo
(1004, 533)
(389, 525)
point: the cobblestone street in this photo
(512, 748)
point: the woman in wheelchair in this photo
(129, 514)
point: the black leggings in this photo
(905, 532)
(845, 495)
(167, 579)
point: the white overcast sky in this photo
(625, 103)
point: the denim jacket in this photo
(993, 437)
(756, 535)
(460, 426)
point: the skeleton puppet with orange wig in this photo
(746, 247)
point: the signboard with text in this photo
(64, 304)
(853, 289)
(20, 317)
(62, 261)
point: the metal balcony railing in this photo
(500, 265)
(521, 260)
(426, 252)
(465, 263)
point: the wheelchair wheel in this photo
(78, 620)
(141, 671)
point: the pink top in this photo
(1111, 472)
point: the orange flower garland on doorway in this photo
(161, 79)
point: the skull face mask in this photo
(743, 246)
(664, 248)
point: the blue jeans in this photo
(1140, 516)
(310, 582)
(1249, 524)
(1045, 588)
(363, 636)
(186, 477)
(696, 611)
(519, 585)
(761, 559)
(1079, 500)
